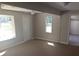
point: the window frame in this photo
(13, 23)
(46, 18)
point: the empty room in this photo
(39, 28)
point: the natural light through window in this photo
(2, 53)
(49, 24)
(51, 44)
(7, 27)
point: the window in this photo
(7, 27)
(49, 24)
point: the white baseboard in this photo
(51, 40)
(12, 45)
(64, 43)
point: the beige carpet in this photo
(40, 48)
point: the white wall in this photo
(74, 24)
(23, 27)
(27, 26)
(39, 27)
(60, 28)
(64, 28)
(74, 27)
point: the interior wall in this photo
(27, 26)
(23, 28)
(39, 27)
(64, 28)
(74, 27)
(60, 28)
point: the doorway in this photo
(74, 30)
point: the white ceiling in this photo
(62, 7)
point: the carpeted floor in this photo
(41, 48)
(74, 40)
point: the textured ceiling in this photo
(63, 7)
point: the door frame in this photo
(69, 27)
(68, 35)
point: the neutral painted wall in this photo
(23, 27)
(27, 26)
(60, 28)
(39, 27)
(74, 24)
(64, 28)
(74, 27)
